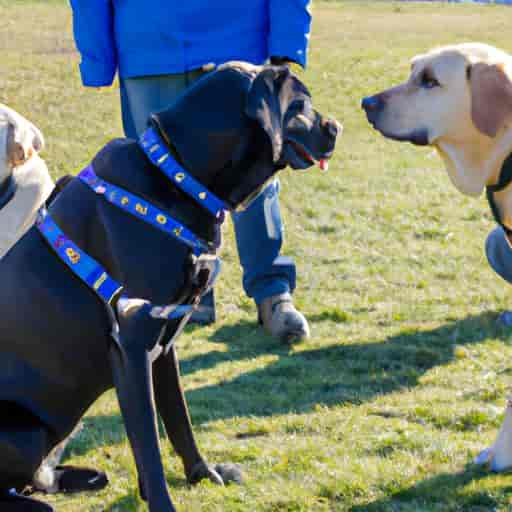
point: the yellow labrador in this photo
(24, 179)
(458, 99)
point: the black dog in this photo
(232, 131)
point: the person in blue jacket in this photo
(159, 49)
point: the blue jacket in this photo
(155, 37)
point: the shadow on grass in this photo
(298, 381)
(338, 374)
(447, 492)
(97, 431)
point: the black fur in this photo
(56, 353)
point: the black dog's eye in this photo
(298, 106)
(427, 81)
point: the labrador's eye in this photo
(427, 81)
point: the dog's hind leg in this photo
(52, 478)
(131, 361)
(172, 406)
(24, 442)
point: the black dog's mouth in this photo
(301, 157)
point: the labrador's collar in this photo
(504, 180)
(160, 156)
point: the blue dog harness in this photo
(94, 275)
(78, 261)
(143, 210)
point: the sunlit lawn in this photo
(374, 412)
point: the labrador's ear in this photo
(491, 97)
(266, 104)
(23, 138)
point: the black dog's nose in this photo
(332, 127)
(372, 103)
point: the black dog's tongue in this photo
(323, 164)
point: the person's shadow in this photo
(297, 381)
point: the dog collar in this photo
(504, 180)
(160, 156)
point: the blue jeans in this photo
(258, 230)
(499, 253)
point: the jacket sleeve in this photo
(93, 27)
(290, 23)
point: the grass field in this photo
(375, 412)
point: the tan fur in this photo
(473, 152)
(20, 143)
(491, 97)
(23, 138)
(468, 119)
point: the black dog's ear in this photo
(266, 105)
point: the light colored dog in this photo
(458, 99)
(24, 179)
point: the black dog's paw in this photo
(230, 473)
(203, 470)
(73, 480)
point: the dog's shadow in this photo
(297, 381)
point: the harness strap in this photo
(504, 180)
(143, 210)
(88, 270)
(157, 152)
(91, 273)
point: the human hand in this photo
(285, 61)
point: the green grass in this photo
(378, 411)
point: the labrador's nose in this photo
(372, 104)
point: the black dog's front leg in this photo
(172, 406)
(131, 369)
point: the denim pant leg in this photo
(141, 96)
(499, 253)
(259, 237)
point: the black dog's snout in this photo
(372, 104)
(331, 127)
